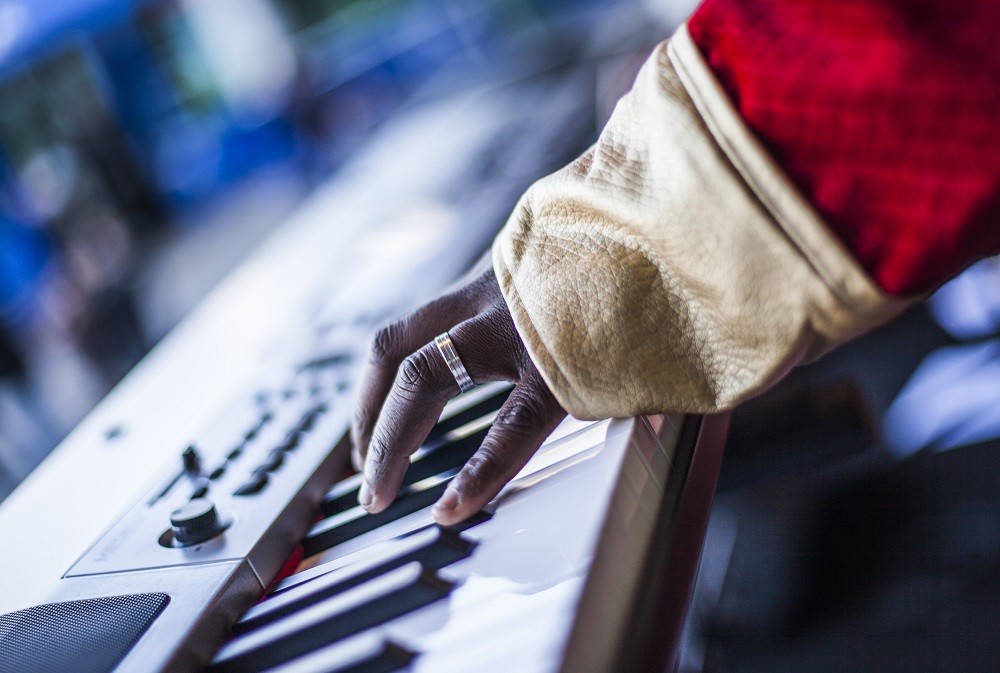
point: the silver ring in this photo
(450, 355)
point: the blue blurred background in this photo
(147, 145)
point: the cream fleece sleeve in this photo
(673, 267)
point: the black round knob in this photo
(195, 522)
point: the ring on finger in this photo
(450, 355)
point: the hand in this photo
(407, 383)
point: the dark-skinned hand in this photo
(407, 383)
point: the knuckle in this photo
(378, 452)
(360, 422)
(482, 468)
(416, 373)
(387, 343)
(523, 415)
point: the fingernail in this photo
(448, 501)
(365, 495)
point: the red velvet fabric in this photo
(885, 113)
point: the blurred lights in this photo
(48, 179)
(249, 53)
(953, 398)
(13, 19)
(968, 307)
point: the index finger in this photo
(416, 400)
(421, 389)
(393, 344)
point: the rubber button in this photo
(200, 488)
(253, 485)
(273, 461)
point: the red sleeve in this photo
(885, 114)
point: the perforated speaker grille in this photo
(87, 636)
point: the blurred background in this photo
(147, 146)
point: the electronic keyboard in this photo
(248, 551)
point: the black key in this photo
(343, 496)
(434, 548)
(375, 602)
(482, 401)
(355, 521)
(426, 462)
(367, 653)
(386, 547)
(253, 485)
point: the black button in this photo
(272, 462)
(307, 422)
(309, 418)
(291, 441)
(200, 488)
(252, 433)
(325, 360)
(217, 473)
(253, 485)
(235, 453)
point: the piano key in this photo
(470, 406)
(434, 548)
(425, 462)
(357, 521)
(343, 496)
(370, 604)
(367, 653)
(387, 545)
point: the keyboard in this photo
(249, 553)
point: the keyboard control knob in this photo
(191, 460)
(195, 522)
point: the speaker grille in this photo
(86, 636)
